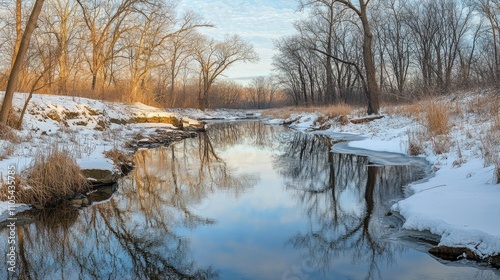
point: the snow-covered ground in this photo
(460, 201)
(86, 128)
(217, 114)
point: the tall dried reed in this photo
(437, 119)
(52, 177)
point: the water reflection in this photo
(278, 199)
(133, 235)
(346, 198)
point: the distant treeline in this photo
(419, 48)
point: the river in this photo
(242, 201)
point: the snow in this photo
(217, 114)
(460, 201)
(83, 127)
(459, 204)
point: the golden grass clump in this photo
(336, 110)
(410, 110)
(437, 119)
(53, 177)
(332, 111)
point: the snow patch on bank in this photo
(460, 202)
(86, 128)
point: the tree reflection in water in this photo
(137, 233)
(346, 198)
(132, 236)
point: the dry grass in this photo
(118, 157)
(52, 177)
(7, 133)
(7, 150)
(497, 173)
(415, 142)
(329, 112)
(437, 119)
(490, 148)
(440, 144)
(496, 124)
(13, 120)
(414, 110)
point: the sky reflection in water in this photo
(244, 201)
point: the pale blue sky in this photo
(256, 21)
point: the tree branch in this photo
(348, 63)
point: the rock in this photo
(452, 253)
(100, 176)
(494, 261)
(173, 120)
(457, 253)
(102, 194)
(85, 202)
(80, 200)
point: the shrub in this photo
(437, 119)
(120, 160)
(441, 144)
(490, 149)
(337, 110)
(7, 133)
(415, 143)
(410, 110)
(52, 177)
(330, 112)
(14, 117)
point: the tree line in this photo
(394, 50)
(364, 51)
(123, 50)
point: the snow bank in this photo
(217, 114)
(86, 128)
(460, 201)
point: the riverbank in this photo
(460, 201)
(93, 133)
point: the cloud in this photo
(258, 22)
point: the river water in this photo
(242, 201)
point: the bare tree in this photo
(16, 67)
(372, 87)
(61, 23)
(262, 91)
(397, 43)
(181, 49)
(19, 29)
(322, 27)
(105, 23)
(361, 11)
(490, 9)
(215, 57)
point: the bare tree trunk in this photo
(19, 29)
(371, 80)
(16, 68)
